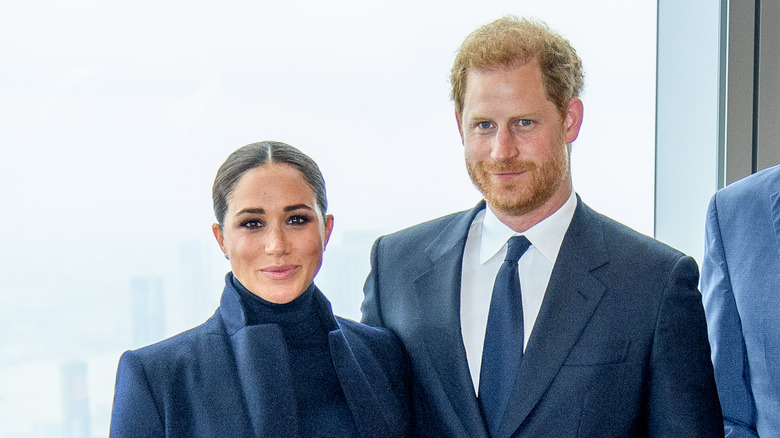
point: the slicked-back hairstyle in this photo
(258, 154)
(511, 41)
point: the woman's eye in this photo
(484, 125)
(298, 220)
(252, 224)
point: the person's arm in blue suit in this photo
(370, 306)
(135, 413)
(729, 356)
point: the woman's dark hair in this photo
(255, 155)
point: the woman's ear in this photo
(328, 229)
(217, 230)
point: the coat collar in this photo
(263, 367)
(234, 315)
(453, 236)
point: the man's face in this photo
(516, 141)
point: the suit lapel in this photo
(438, 296)
(569, 302)
(774, 205)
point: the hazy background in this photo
(114, 117)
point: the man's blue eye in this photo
(525, 122)
(484, 125)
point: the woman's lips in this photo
(281, 272)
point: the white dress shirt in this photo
(484, 253)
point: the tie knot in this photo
(516, 247)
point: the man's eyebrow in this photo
(523, 115)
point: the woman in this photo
(273, 361)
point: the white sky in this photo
(114, 116)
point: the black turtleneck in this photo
(322, 407)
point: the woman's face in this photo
(274, 233)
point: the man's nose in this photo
(504, 146)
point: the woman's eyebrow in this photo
(250, 211)
(297, 207)
(257, 210)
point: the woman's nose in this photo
(277, 242)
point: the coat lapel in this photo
(363, 403)
(774, 205)
(569, 302)
(438, 301)
(264, 371)
(263, 367)
(367, 411)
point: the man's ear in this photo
(573, 120)
(460, 126)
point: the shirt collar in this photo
(546, 236)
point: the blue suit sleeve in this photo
(371, 314)
(135, 412)
(729, 355)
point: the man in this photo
(612, 324)
(741, 287)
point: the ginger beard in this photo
(517, 198)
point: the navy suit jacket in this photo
(619, 347)
(227, 379)
(741, 287)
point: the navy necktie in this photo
(503, 348)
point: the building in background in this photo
(148, 310)
(75, 401)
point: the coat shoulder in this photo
(753, 187)
(632, 259)
(375, 341)
(421, 234)
(180, 350)
(402, 246)
(621, 239)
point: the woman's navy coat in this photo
(227, 379)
